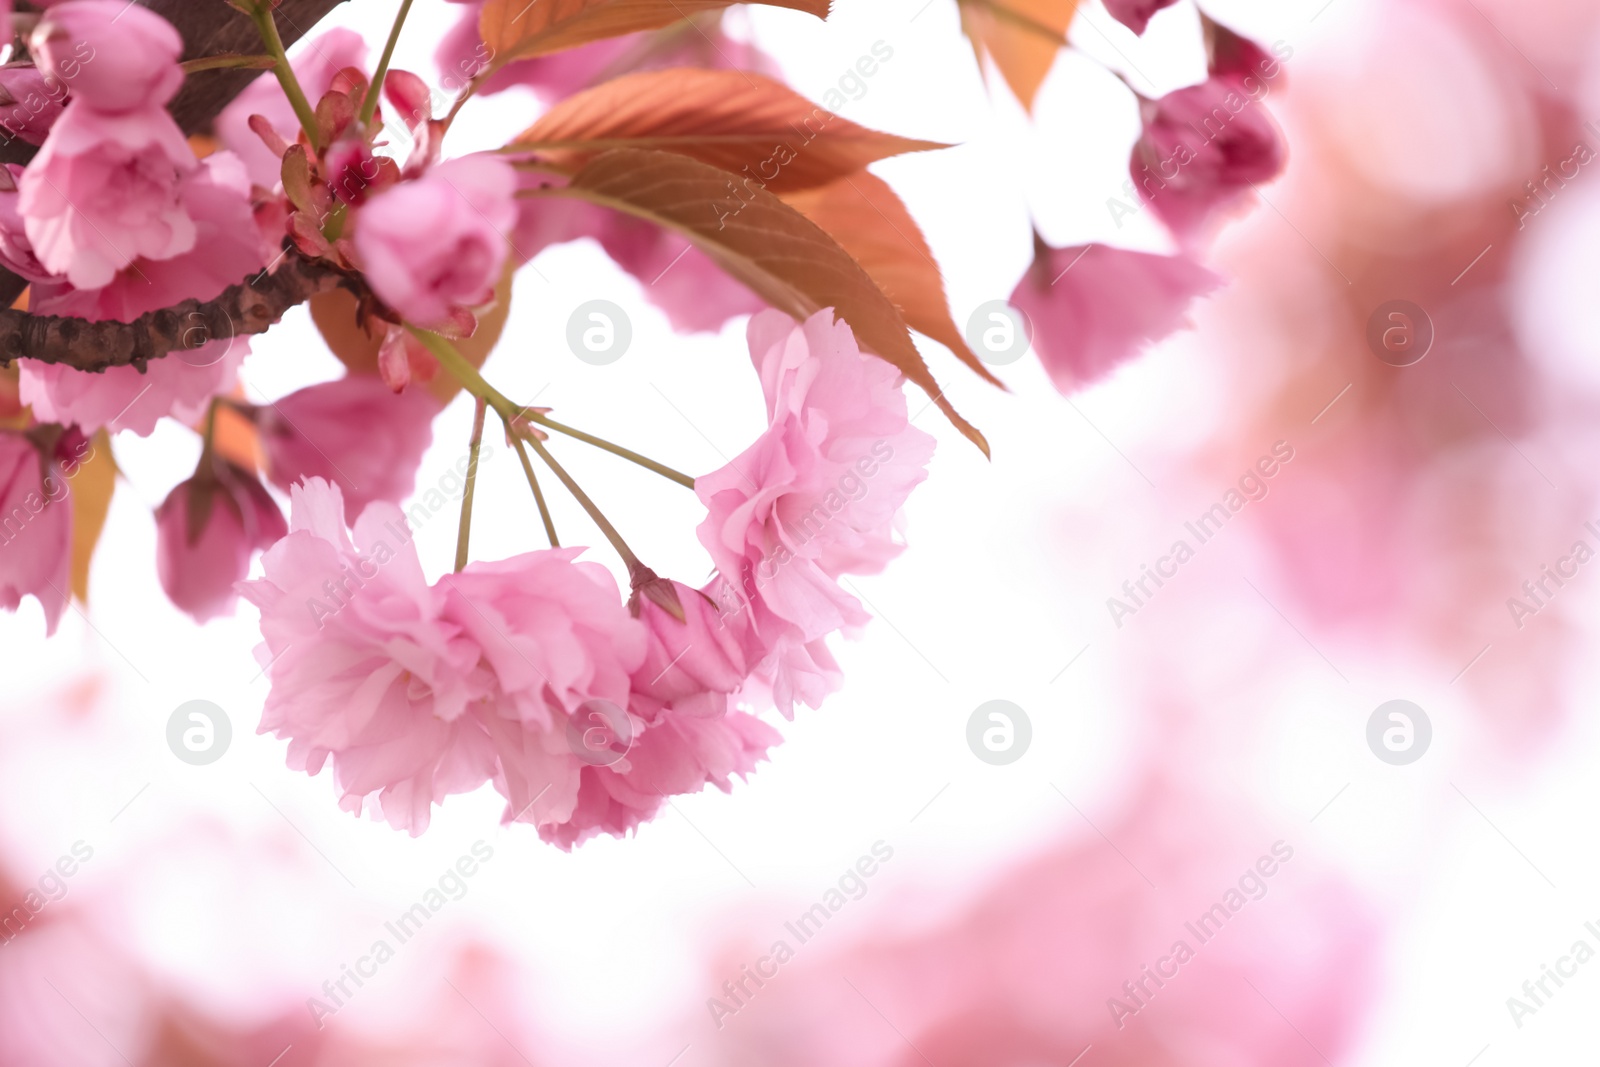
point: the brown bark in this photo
(251, 307)
(208, 27)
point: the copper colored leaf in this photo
(92, 479)
(517, 29)
(745, 123)
(866, 216)
(786, 258)
(357, 345)
(1021, 38)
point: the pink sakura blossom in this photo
(1135, 14)
(690, 665)
(366, 668)
(354, 432)
(105, 190)
(1074, 949)
(116, 57)
(679, 754)
(417, 692)
(36, 524)
(1094, 307)
(226, 251)
(437, 244)
(320, 59)
(816, 495)
(560, 650)
(206, 533)
(1205, 147)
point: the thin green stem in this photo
(588, 505)
(533, 483)
(617, 450)
(464, 533)
(268, 27)
(369, 106)
(465, 373)
(228, 61)
(467, 94)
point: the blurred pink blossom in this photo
(116, 57)
(1094, 307)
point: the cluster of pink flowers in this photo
(531, 673)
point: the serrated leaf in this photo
(1021, 38)
(743, 122)
(92, 484)
(518, 29)
(785, 257)
(872, 223)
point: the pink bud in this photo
(113, 55)
(437, 244)
(207, 530)
(30, 102)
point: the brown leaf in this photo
(356, 345)
(745, 123)
(1022, 37)
(92, 481)
(786, 258)
(866, 216)
(517, 29)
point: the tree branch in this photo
(208, 27)
(251, 307)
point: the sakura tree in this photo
(173, 185)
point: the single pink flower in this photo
(1095, 307)
(319, 60)
(1135, 14)
(105, 190)
(438, 243)
(115, 56)
(354, 432)
(560, 648)
(206, 533)
(1203, 150)
(30, 102)
(227, 250)
(366, 667)
(179, 385)
(816, 495)
(35, 526)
